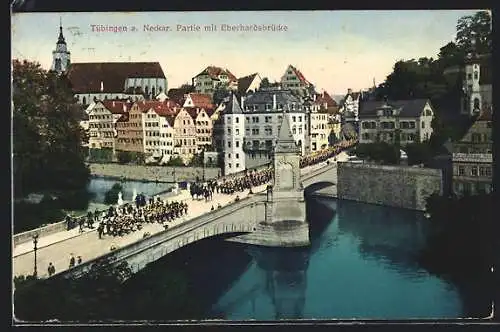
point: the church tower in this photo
(61, 55)
(471, 103)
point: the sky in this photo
(335, 50)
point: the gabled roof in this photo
(214, 73)
(232, 106)
(322, 98)
(299, 75)
(244, 82)
(409, 108)
(284, 97)
(87, 77)
(117, 106)
(201, 100)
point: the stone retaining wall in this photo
(153, 173)
(397, 186)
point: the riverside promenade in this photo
(58, 247)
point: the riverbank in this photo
(153, 173)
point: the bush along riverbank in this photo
(460, 248)
(461, 240)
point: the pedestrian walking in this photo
(51, 269)
(80, 223)
(79, 261)
(72, 261)
(100, 230)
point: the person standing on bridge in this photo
(79, 261)
(100, 230)
(72, 261)
(51, 269)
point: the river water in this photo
(100, 185)
(361, 264)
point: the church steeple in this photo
(61, 40)
(61, 55)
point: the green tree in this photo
(48, 140)
(111, 196)
(475, 27)
(124, 157)
(176, 161)
(221, 91)
(264, 83)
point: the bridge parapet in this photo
(237, 217)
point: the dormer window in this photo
(476, 75)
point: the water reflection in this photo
(99, 186)
(392, 237)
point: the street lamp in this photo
(35, 242)
(203, 162)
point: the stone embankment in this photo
(397, 186)
(153, 173)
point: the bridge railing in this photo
(124, 252)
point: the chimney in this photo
(242, 103)
(274, 101)
(102, 86)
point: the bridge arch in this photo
(317, 186)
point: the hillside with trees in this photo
(428, 77)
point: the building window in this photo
(237, 120)
(461, 170)
(237, 144)
(228, 144)
(469, 76)
(237, 157)
(474, 171)
(237, 132)
(423, 125)
(229, 165)
(488, 171)
(482, 171)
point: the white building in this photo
(384, 121)
(263, 115)
(208, 80)
(159, 132)
(350, 104)
(477, 87)
(234, 131)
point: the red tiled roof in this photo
(214, 73)
(202, 100)
(322, 98)
(170, 119)
(123, 118)
(299, 75)
(87, 77)
(117, 106)
(162, 108)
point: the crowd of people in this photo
(326, 154)
(122, 220)
(231, 185)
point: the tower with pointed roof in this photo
(234, 129)
(471, 102)
(61, 55)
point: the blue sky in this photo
(335, 50)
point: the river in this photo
(100, 185)
(361, 264)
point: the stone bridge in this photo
(274, 218)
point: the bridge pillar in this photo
(285, 218)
